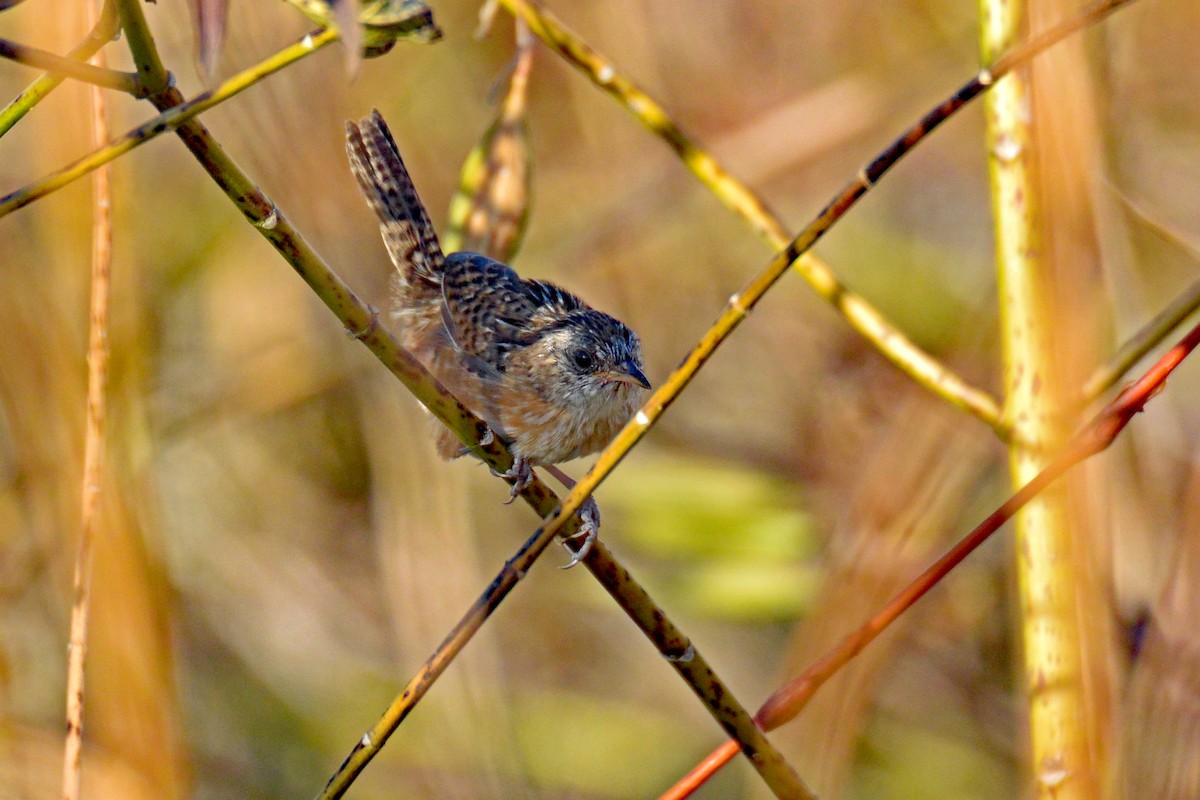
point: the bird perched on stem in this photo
(553, 377)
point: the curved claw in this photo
(589, 512)
(520, 473)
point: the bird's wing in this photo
(486, 307)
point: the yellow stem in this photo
(1047, 581)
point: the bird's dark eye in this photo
(583, 360)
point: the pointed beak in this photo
(630, 374)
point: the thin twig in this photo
(859, 314)
(100, 35)
(67, 67)
(93, 455)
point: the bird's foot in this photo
(520, 473)
(589, 513)
(589, 532)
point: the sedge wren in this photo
(550, 375)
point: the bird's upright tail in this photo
(407, 231)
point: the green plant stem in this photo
(101, 34)
(71, 68)
(859, 314)
(151, 72)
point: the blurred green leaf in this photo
(742, 590)
(940, 285)
(572, 742)
(696, 509)
(936, 759)
(748, 547)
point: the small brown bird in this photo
(552, 376)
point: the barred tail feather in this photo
(407, 230)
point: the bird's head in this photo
(588, 358)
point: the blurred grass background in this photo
(282, 547)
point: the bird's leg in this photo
(589, 512)
(520, 473)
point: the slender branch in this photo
(93, 457)
(68, 67)
(860, 314)
(101, 34)
(169, 120)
